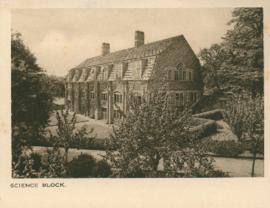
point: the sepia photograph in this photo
(137, 93)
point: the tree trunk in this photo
(253, 164)
(66, 154)
(157, 159)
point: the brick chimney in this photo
(105, 49)
(139, 38)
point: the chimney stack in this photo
(139, 38)
(105, 49)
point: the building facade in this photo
(99, 86)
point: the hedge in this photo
(228, 148)
(93, 143)
(205, 129)
(214, 114)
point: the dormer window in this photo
(97, 71)
(118, 71)
(143, 66)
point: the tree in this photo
(245, 115)
(57, 86)
(66, 134)
(154, 131)
(212, 60)
(238, 60)
(31, 100)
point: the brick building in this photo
(99, 86)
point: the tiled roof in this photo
(150, 49)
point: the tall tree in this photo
(31, 100)
(240, 65)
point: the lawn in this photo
(101, 130)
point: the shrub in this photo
(103, 169)
(82, 166)
(85, 143)
(225, 148)
(37, 161)
(207, 128)
(214, 114)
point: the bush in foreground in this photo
(85, 166)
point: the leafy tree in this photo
(57, 86)
(245, 115)
(155, 131)
(66, 134)
(237, 62)
(31, 100)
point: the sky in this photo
(63, 38)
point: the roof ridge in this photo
(127, 50)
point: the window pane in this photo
(181, 98)
(177, 98)
(184, 75)
(176, 75)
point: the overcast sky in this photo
(63, 38)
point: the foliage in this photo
(228, 148)
(81, 167)
(213, 114)
(245, 115)
(26, 166)
(66, 133)
(191, 162)
(54, 164)
(30, 94)
(103, 169)
(150, 132)
(56, 86)
(86, 166)
(237, 63)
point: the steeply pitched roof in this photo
(149, 49)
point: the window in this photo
(180, 66)
(176, 75)
(179, 98)
(193, 96)
(117, 98)
(92, 95)
(104, 96)
(171, 98)
(184, 75)
(117, 114)
(138, 99)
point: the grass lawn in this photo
(101, 130)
